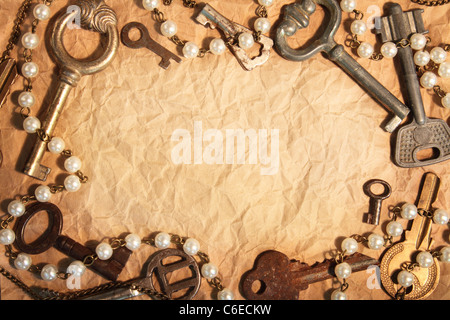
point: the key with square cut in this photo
(422, 134)
(183, 289)
(208, 16)
(296, 16)
(281, 278)
(102, 20)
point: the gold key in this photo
(416, 239)
(97, 16)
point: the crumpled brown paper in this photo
(120, 123)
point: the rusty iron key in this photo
(296, 16)
(280, 278)
(417, 238)
(145, 41)
(188, 286)
(423, 134)
(208, 16)
(101, 19)
(375, 203)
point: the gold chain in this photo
(431, 3)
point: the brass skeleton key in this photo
(101, 19)
(281, 278)
(416, 239)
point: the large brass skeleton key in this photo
(96, 16)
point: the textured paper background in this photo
(120, 121)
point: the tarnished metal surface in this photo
(8, 74)
(375, 203)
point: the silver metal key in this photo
(209, 16)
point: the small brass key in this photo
(101, 19)
(416, 239)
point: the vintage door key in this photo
(145, 41)
(373, 216)
(209, 16)
(281, 278)
(422, 133)
(8, 74)
(296, 16)
(102, 20)
(110, 269)
(157, 267)
(416, 239)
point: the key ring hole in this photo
(377, 188)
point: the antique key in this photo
(8, 74)
(281, 278)
(209, 16)
(145, 41)
(101, 19)
(416, 239)
(373, 216)
(110, 269)
(296, 16)
(161, 270)
(422, 133)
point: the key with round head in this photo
(296, 16)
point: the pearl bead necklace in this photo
(405, 278)
(217, 46)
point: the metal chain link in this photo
(431, 3)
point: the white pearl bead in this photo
(375, 241)
(421, 58)
(56, 145)
(418, 41)
(150, 4)
(262, 24)
(445, 254)
(23, 261)
(217, 46)
(72, 183)
(246, 40)
(191, 246)
(343, 270)
(389, 50)
(26, 99)
(349, 245)
(169, 28)
(225, 294)
(348, 5)
(428, 80)
(338, 295)
(16, 208)
(31, 124)
(49, 272)
(72, 164)
(162, 240)
(132, 241)
(394, 229)
(7, 236)
(43, 194)
(438, 55)
(425, 259)
(358, 27)
(365, 50)
(405, 278)
(440, 216)
(76, 268)
(408, 211)
(446, 101)
(41, 12)
(30, 70)
(209, 271)
(190, 50)
(444, 70)
(104, 251)
(266, 3)
(30, 40)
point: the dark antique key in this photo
(188, 286)
(110, 269)
(281, 278)
(8, 74)
(373, 216)
(145, 41)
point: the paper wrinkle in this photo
(120, 122)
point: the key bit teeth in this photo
(39, 172)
